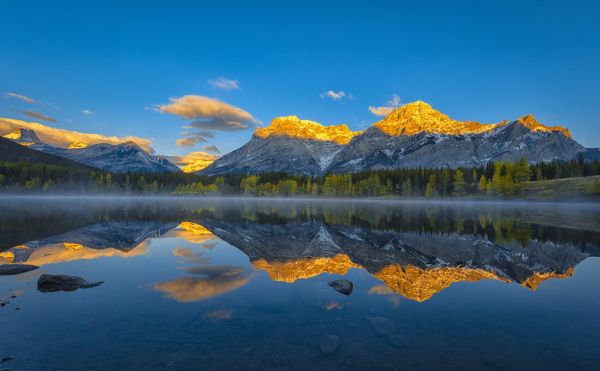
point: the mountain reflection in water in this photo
(415, 250)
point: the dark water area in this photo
(222, 284)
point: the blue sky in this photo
(471, 60)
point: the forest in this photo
(498, 178)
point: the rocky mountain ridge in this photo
(414, 135)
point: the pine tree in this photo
(445, 180)
(406, 188)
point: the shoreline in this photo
(399, 200)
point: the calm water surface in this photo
(241, 284)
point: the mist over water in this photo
(243, 283)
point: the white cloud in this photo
(392, 104)
(380, 111)
(395, 101)
(22, 97)
(225, 84)
(87, 112)
(336, 95)
(195, 107)
(209, 114)
(63, 138)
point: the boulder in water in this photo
(12, 269)
(61, 282)
(342, 286)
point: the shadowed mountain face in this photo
(13, 152)
(415, 250)
(123, 157)
(414, 135)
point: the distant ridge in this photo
(123, 157)
(12, 152)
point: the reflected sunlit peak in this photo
(535, 280)
(193, 233)
(194, 228)
(421, 284)
(7, 257)
(292, 270)
(72, 246)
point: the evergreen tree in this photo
(406, 188)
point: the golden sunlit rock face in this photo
(292, 126)
(197, 165)
(421, 284)
(77, 145)
(292, 270)
(17, 135)
(536, 279)
(14, 135)
(419, 117)
(195, 161)
(534, 125)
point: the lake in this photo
(244, 284)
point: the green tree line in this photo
(500, 178)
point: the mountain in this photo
(287, 145)
(119, 158)
(591, 154)
(13, 152)
(414, 135)
(25, 137)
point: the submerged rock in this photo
(342, 286)
(329, 343)
(382, 325)
(61, 282)
(11, 269)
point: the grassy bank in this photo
(567, 188)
